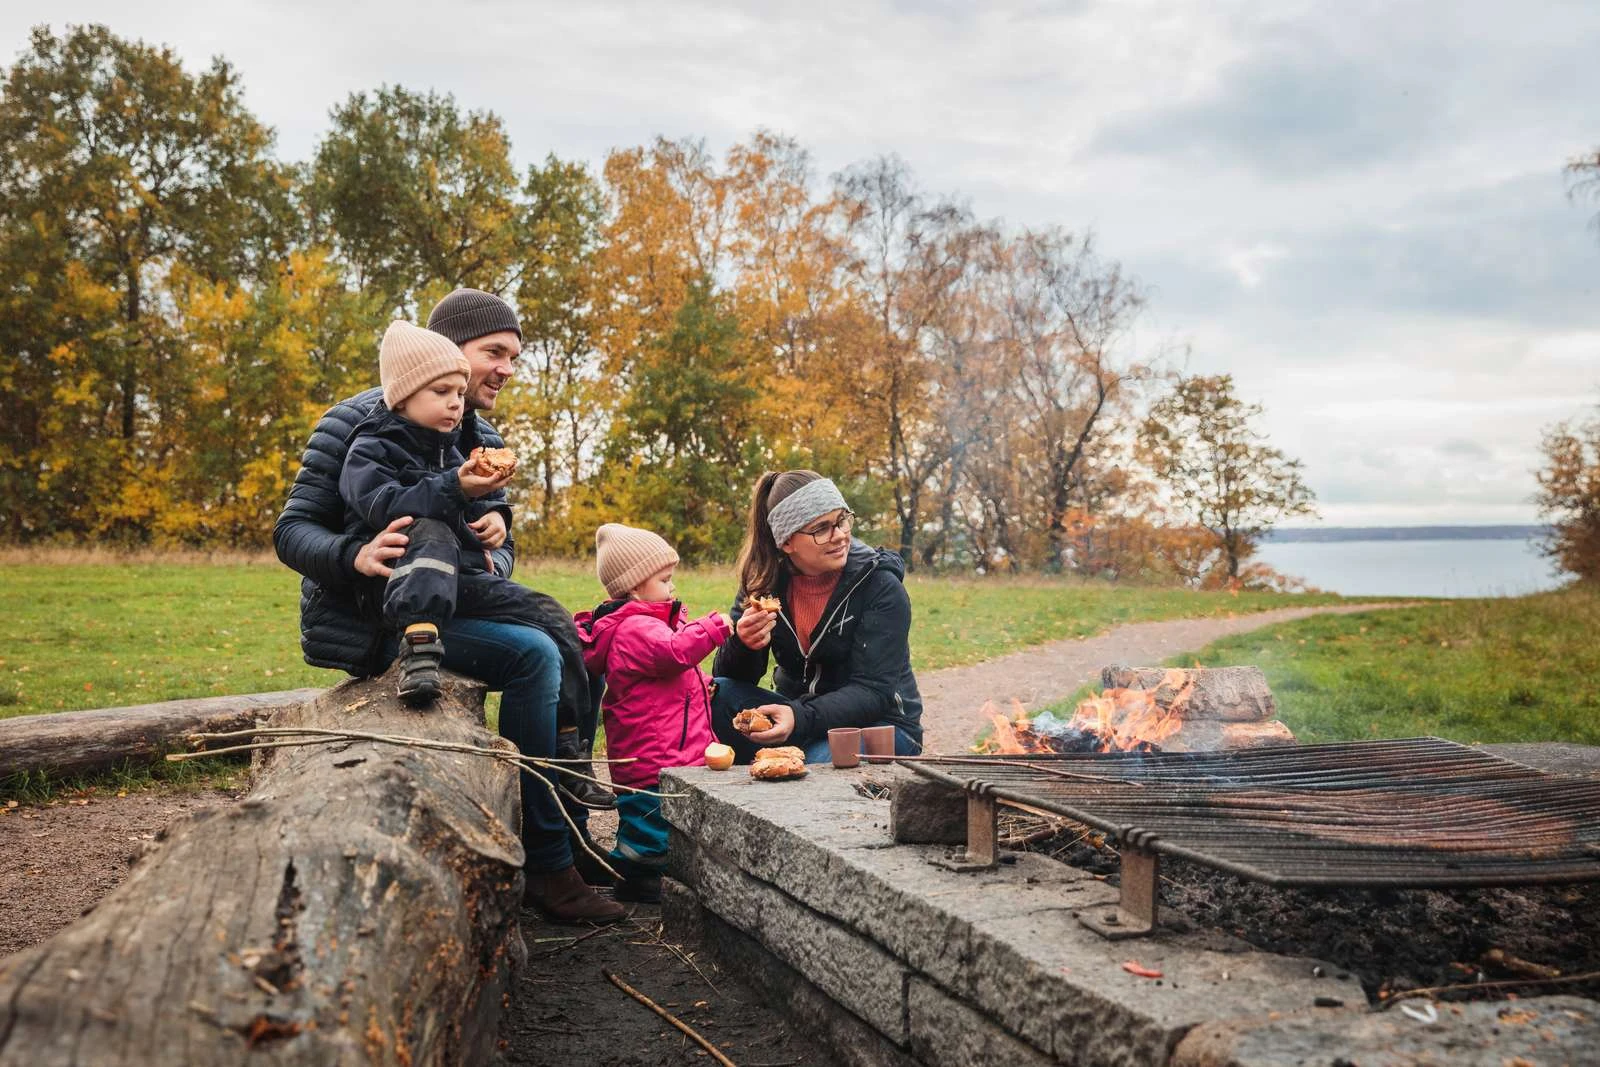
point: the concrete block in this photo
(947, 1033)
(924, 813)
(1541, 1030)
(852, 1042)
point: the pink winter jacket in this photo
(657, 707)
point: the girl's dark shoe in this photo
(640, 889)
(562, 897)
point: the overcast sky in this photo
(1358, 210)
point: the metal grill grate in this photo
(1413, 813)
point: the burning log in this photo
(359, 903)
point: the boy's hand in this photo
(372, 558)
(491, 529)
(475, 485)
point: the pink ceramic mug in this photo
(878, 743)
(844, 746)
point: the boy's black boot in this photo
(639, 889)
(569, 746)
(421, 658)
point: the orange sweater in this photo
(808, 598)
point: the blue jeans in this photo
(523, 664)
(733, 696)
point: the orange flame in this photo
(1118, 720)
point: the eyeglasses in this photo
(824, 533)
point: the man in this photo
(342, 588)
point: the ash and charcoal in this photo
(1391, 940)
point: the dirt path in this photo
(1043, 674)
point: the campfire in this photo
(1148, 709)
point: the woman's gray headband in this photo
(803, 505)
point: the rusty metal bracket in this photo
(982, 851)
(1135, 913)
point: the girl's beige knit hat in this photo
(624, 556)
(411, 357)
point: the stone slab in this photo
(852, 1042)
(851, 969)
(1007, 941)
(947, 1033)
(926, 813)
(1537, 1031)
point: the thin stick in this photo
(296, 738)
(715, 1052)
(583, 839)
(575, 942)
(1431, 990)
(320, 731)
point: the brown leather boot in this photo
(563, 897)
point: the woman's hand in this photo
(755, 628)
(782, 716)
(474, 485)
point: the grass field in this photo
(100, 632)
(1523, 669)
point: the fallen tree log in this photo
(81, 742)
(358, 905)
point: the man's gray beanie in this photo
(467, 314)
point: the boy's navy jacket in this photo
(859, 670)
(394, 467)
(318, 536)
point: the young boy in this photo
(403, 460)
(657, 709)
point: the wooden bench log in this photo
(83, 742)
(359, 905)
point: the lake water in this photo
(1414, 568)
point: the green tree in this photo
(1569, 497)
(1200, 445)
(115, 165)
(684, 446)
(416, 197)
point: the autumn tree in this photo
(1202, 448)
(116, 166)
(1569, 497)
(905, 261)
(1062, 322)
(415, 197)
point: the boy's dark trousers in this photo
(430, 585)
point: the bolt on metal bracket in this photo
(982, 851)
(1135, 913)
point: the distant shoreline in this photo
(1402, 533)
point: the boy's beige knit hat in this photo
(625, 556)
(411, 357)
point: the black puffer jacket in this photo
(340, 610)
(859, 669)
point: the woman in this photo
(839, 638)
